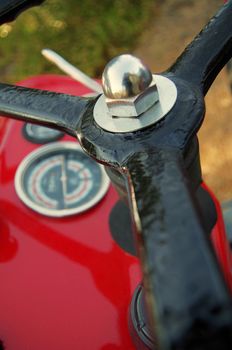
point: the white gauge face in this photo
(59, 179)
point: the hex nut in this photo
(133, 106)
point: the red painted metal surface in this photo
(65, 284)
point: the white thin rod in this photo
(72, 71)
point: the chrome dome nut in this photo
(129, 87)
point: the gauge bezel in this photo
(36, 140)
(40, 152)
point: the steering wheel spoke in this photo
(55, 110)
(183, 284)
(10, 9)
(203, 59)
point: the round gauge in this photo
(40, 134)
(59, 179)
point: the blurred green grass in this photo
(87, 33)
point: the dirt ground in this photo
(175, 24)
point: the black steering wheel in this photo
(187, 297)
